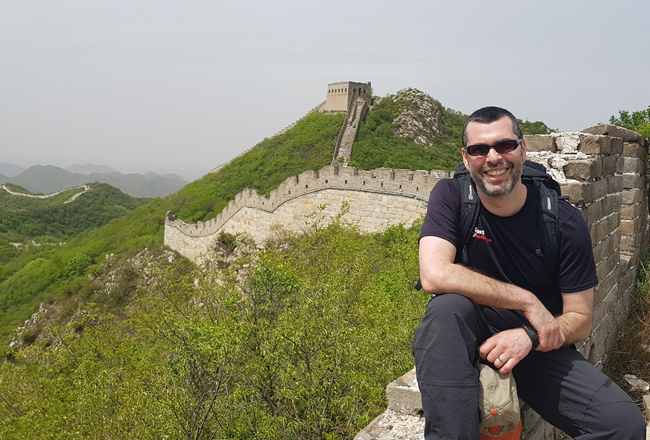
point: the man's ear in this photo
(523, 149)
(464, 158)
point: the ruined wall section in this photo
(377, 199)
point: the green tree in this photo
(638, 121)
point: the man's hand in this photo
(505, 349)
(546, 326)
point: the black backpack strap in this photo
(469, 210)
(549, 225)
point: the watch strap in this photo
(532, 334)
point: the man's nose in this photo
(493, 156)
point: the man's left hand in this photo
(505, 349)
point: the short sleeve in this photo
(443, 211)
(577, 271)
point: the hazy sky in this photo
(171, 86)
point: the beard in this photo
(505, 188)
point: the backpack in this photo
(549, 193)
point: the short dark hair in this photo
(487, 115)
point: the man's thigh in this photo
(573, 395)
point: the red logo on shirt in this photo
(480, 234)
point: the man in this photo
(478, 313)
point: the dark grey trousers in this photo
(563, 387)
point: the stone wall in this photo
(377, 199)
(603, 172)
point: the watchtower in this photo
(341, 94)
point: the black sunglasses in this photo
(502, 147)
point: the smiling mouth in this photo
(495, 173)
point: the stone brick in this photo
(600, 187)
(604, 290)
(578, 193)
(609, 166)
(613, 130)
(585, 169)
(633, 165)
(616, 145)
(631, 196)
(594, 212)
(628, 212)
(631, 181)
(599, 252)
(620, 160)
(402, 395)
(629, 227)
(631, 243)
(614, 184)
(633, 149)
(539, 142)
(594, 144)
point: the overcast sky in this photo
(171, 86)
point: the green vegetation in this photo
(537, 127)
(302, 348)
(51, 219)
(31, 276)
(638, 121)
(631, 354)
(307, 146)
(377, 146)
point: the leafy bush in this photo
(302, 349)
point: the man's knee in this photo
(613, 415)
(452, 325)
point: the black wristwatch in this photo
(532, 334)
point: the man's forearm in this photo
(481, 289)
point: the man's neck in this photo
(508, 205)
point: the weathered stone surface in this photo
(403, 395)
(584, 170)
(594, 144)
(538, 142)
(609, 165)
(633, 165)
(634, 149)
(616, 145)
(613, 130)
(631, 181)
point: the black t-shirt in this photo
(510, 248)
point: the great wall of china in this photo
(602, 170)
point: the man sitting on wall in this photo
(482, 311)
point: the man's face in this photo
(496, 175)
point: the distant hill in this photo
(47, 179)
(4, 179)
(63, 215)
(90, 168)
(10, 170)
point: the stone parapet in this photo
(377, 199)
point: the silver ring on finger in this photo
(499, 359)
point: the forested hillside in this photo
(42, 274)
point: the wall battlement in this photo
(414, 185)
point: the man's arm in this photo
(575, 321)
(439, 274)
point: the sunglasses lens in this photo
(505, 146)
(478, 150)
(502, 147)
